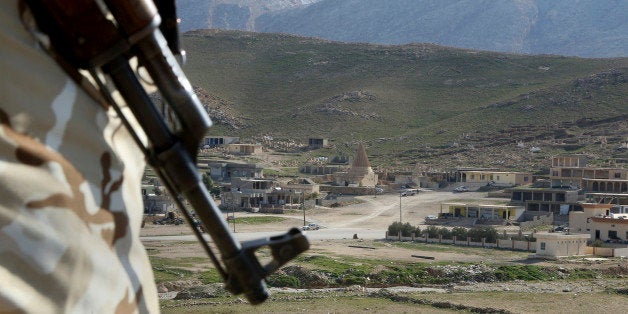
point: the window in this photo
(612, 234)
(617, 175)
(555, 173)
(525, 179)
(543, 246)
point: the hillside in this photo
(410, 104)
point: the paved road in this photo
(322, 234)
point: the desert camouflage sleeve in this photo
(70, 198)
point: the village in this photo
(575, 209)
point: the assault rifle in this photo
(102, 37)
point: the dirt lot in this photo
(377, 212)
(368, 212)
(374, 212)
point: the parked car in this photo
(311, 226)
(410, 192)
(461, 189)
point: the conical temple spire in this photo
(361, 160)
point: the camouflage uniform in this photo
(70, 199)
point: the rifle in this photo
(101, 37)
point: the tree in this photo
(406, 229)
(432, 232)
(445, 233)
(460, 233)
(488, 233)
(213, 189)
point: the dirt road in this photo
(368, 212)
(367, 215)
(379, 211)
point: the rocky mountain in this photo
(230, 14)
(585, 28)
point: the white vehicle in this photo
(461, 189)
(311, 226)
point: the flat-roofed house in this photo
(605, 222)
(558, 244)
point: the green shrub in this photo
(210, 276)
(460, 233)
(432, 232)
(445, 233)
(488, 233)
(406, 229)
(281, 280)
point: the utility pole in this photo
(303, 207)
(400, 208)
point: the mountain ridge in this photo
(411, 101)
(584, 28)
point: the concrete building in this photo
(225, 171)
(407, 178)
(607, 198)
(321, 169)
(256, 194)
(155, 200)
(606, 222)
(213, 141)
(490, 176)
(317, 142)
(558, 244)
(303, 185)
(498, 213)
(546, 200)
(572, 171)
(245, 149)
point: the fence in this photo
(508, 244)
(501, 243)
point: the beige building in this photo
(498, 178)
(558, 244)
(245, 149)
(360, 173)
(605, 222)
(255, 194)
(489, 212)
(303, 185)
(573, 171)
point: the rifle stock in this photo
(172, 153)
